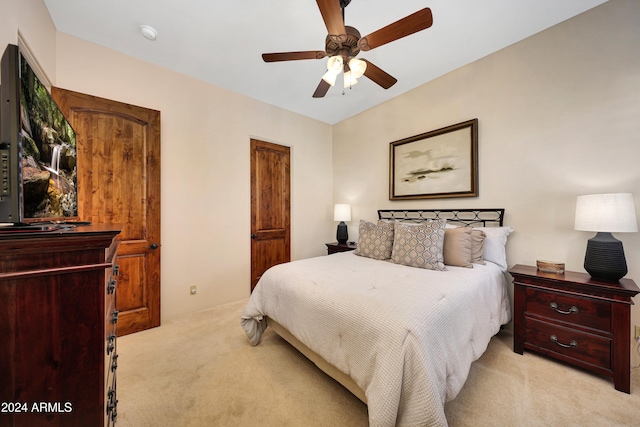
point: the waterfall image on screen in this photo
(49, 158)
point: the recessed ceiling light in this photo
(148, 32)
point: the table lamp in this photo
(342, 213)
(606, 214)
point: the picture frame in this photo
(440, 163)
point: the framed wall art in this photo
(436, 164)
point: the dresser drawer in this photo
(585, 312)
(588, 348)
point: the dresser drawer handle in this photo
(111, 287)
(572, 344)
(111, 343)
(112, 402)
(573, 309)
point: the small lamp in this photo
(606, 214)
(342, 213)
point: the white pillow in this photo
(495, 245)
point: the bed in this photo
(399, 337)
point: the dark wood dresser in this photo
(575, 318)
(57, 327)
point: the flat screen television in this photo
(37, 149)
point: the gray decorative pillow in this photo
(375, 240)
(419, 245)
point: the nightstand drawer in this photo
(566, 308)
(582, 346)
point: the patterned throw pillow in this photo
(375, 240)
(419, 245)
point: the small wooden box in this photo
(550, 266)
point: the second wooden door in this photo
(270, 207)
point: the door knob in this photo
(253, 236)
(153, 246)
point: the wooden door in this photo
(119, 183)
(270, 207)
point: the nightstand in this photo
(576, 319)
(334, 247)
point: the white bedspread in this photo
(407, 336)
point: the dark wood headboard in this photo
(468, 217)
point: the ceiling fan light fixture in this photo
(334, 64)
(357, 67)
(330, 77)
(349, 79)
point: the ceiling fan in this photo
(343, 43)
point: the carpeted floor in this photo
(201, 371)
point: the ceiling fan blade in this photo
(379, 76)
(322, 89)
(332, 15)
(293, 56)
(421, 20)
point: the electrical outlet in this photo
(193, 289)
(636, 336)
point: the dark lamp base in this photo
(342, 235)
(604, 259)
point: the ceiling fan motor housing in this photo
(347, 47)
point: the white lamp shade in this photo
(330, 77)
(613, 213)
(342, 212)
(349, 79)
(357, 67)
(335, 64)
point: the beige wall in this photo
(559, 116)
(205, 160)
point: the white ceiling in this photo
(220, 42)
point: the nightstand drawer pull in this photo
(572, 344)
(573, 309)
